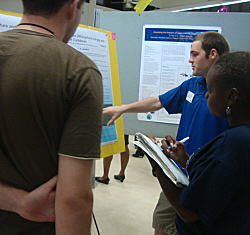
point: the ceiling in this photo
(122, 5)
(128, 5)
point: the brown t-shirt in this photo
(51, 100)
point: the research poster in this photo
(8, 22)
(95, 45)
(164, 63)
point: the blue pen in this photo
(181, 141)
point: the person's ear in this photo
(213, 54)
(72, 8)
(233, 96)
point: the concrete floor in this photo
(126, 208)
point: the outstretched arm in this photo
(37, 205)
(142, 106)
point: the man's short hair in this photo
(213, 40)
(45, 7)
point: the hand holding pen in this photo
(175, 149)
(173, 146)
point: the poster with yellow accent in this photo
(100, 46)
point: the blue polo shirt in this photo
(196, 120)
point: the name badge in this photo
(190, 96)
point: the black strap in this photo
(37, 25)
(95, 224)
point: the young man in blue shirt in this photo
(188, 99)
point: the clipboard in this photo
(169, 167)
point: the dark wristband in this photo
(153, 170)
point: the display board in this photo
(100, 46)
(91, 41)
(165, 63)
(128, 27)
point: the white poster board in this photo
(95, 45)
(8, 22)
(164, 63)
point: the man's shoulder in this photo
(197, 79)
(73, 56)
(68, 50)
(196, 83)
(193, 81)
(51, 50)
(53, 47)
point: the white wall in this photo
(11, 5)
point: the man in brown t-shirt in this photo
(50, 121)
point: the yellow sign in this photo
(118, 146)
(141, 6)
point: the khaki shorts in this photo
(164, 216)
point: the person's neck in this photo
(49, 24)
(239, 119)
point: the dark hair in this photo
(233, 71)
(213, 40)
(45, 7)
